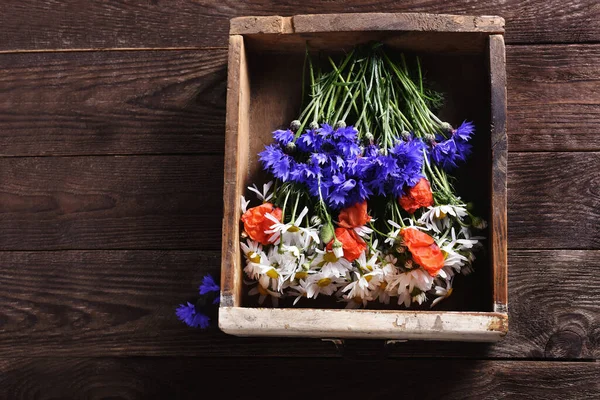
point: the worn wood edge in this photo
(352, 22)
(364, 324)
(497, 67)
(237, 106)
(260, 24)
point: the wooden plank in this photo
(350, 22)
(498, 222)
(236, 163)
(359, 22)
(179, 23)
(148, 202)
(110, 202)
(364, 324)
(121, 303)
(187, 377)
(174, 102)
(112, 102)
(554, 201)
(554, 97)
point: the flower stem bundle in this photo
(361, 204)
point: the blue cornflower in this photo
(276, 161)
(377, 171)
(325, 130)
(409, 158)
(447, 153)
(464, 131)
(309, 141)
(347, 148)
(319, 158)
(188, 314)
(341, 186)
(347, 133)
(371, 151)
(271, 155)
(283, 137)
(208, 285)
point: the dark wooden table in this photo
(111, 164)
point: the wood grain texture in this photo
(189, 378)
(554, 97)
(110, 202)
(121, 303)
(175, 202)
(236, 163)
(554, 200)
(498, 144)
(358, 22)
(174, 102)
(112, 102)
(77, 24)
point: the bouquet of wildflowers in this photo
(361, 205)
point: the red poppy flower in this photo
(354, 216)
(418, 196)
(352, 244)
(256, 223)
(424, 250)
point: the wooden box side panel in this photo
(321, 323)
(353, 22)
(498, 230)
(236, 163)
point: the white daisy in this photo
(330, 264)
(270, 278)
(442, 293)
(361, 287)
(370, 264)
(253, 251)
(299, 290)
(250, 245)
(263, 293)
(320, 283)
(264, 196)
(418, 278)
(291, 232)
(420, 298)
(363, 231)
(244, 204)
(436, 218)
(393, 235)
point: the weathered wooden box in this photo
(465, 57)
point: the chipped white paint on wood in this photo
(368, 324)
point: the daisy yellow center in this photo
(272, 274)
(369, 267)
(449, 292)
(383, 285)
(301, 275)
(262, 290)
(253, 257)
(442, 215)
(330, 257)
(293, 229)
(368, 278)
(324, 282)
